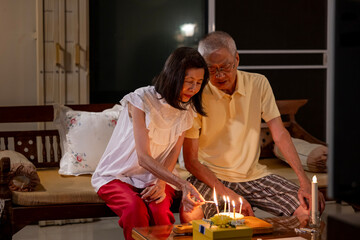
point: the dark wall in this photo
(130, 41)
(283, 25)
(280, 24)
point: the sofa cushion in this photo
(58, 189)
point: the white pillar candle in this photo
(314, 198)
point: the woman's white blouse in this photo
(165, 124)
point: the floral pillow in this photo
(84, 137)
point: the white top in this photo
(165, 124)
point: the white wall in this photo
(18, 52)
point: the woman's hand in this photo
(154, 192)
(191, 198)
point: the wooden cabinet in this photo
(62, 50)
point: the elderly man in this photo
(222, 149)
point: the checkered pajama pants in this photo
(271, 193)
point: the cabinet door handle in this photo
(57, 56)
(77, 55)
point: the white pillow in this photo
(313, 157)
(84, 137)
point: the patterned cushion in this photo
(84, 137)
(23, 175)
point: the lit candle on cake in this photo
(241, 202)
(225, 203)
(227, 210)
(233, 203)
(228, 200)
(216, 202)
(314, 198)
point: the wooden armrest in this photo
(5, 192)
(5, 197)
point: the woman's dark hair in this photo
(169, 82)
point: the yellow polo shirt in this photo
(229, 137)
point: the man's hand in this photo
(191, 198)
(154, 192)
(246, 209)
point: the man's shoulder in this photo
(251, 75)
(208, 90)
(250, 79)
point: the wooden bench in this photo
(45, 144)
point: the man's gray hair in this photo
(216, 40)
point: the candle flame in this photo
(240, 200)
(233, 203)
(314, 179)
(215, 198)
(224, 198)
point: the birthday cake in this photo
(203, 230)
(232, 215)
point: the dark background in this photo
(130, 41)
(283, 25)
(344, 160)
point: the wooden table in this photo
(283, 227)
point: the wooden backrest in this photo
(42, 147)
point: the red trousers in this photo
(126, 202)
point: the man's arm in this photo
(204, 174)
(282, 139)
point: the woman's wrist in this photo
(182, 184)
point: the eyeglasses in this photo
(224, 69)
